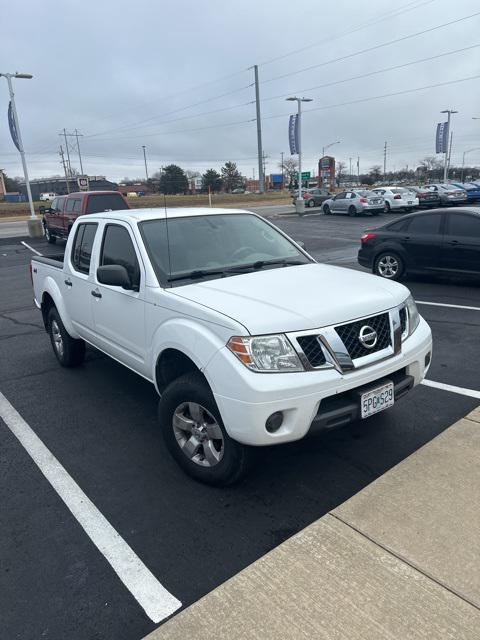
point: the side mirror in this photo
(41, 210)
(114, 275)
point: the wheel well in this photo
(172, 364)
(47, 304)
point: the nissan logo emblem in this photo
(368, 336)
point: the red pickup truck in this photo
(64, 210)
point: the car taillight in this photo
(367, 236)
(306, 196)
(363, 200)
(397, 197)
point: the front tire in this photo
(69, 352)
(326, 210)
(49, 237)
(389, 265)
(352, 212)
(195, 435)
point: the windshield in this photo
(215, 246)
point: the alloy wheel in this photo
(388, 266)
(198, 434)
(57, 339)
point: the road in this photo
(100, 422)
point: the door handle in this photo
(96, 294)
(453, 242)
(68, 283)
(406, 238)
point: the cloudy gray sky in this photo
(175, 77)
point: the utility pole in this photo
(261, 176)
(281, 164)
(145, 160)
(350, 174)
(449, 152)
(358, 169)
(61, 152)
(69, 166)
(450, 112)
(78, 149)
(385, 161)
(264, 165)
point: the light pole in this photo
(327, 146)
(145, 160)
(34, 224)
(447, 152)
(463, 159)
(299, 204)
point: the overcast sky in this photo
(147, 73)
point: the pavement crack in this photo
(406, 561)
(20, 323)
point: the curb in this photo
(397, 560)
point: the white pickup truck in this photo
(247, 339)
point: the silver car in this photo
(449, 194)
(355, 202)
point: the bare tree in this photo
(290, 170)
(340, 171)
(375, 172)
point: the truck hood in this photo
(295, 298)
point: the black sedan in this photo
(438, 241)
(427, 199)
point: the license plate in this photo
(377, 400)
(410, 202)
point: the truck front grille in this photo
(350, 335)
(310, 346)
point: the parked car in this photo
(58, 219)
(450, 195)
(355, 202)
(219, 315)
(45, 197)
(472, 190)
(437, 241)
(426, 198)
(313, 197)
(397, 198)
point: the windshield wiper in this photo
(197, 273)
(265, 263)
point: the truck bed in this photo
(53, 261)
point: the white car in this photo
(45, 197)
(248, 341)
(397, 198)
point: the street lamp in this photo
(463, 160)
(299, 204)
(449, 144)
(34, 224)
(328, 146)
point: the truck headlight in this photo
(413, 317)
(266, 354)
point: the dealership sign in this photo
(82, 182)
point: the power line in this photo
(373, 48)
(389, 14)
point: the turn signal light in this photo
(367, 236)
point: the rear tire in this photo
(389, 265)
(195, 435)
(388, 208)
(69, 352)
(311, 203)
(49, 236)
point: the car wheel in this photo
(389, 265)
(69, 352)
(388, 208)
(311, 203)
(352, 211)
(195, 436)
(326, 210)
(49, 236)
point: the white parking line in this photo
(444, 304)
(449, 387)
(154, 599)
(31, 248)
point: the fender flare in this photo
(52, 288)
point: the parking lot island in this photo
(399, 559)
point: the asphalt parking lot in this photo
(100, 423)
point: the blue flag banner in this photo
(13, 126)
(293, 134)
(441, 139)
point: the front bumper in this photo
(246, 399)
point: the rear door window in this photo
(98, 202)
(428, 224)
(69, 207)
(82, 247)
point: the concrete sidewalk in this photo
(399, 560)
